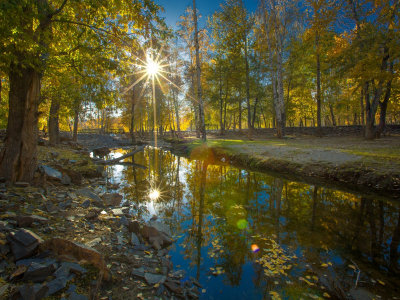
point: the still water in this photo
(247, 235)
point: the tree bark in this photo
(19, 156)
(76, 121)
(131, 130)
(254, 113)
(53, 122)
(383, 106)
(319, 129)
(249, 124)
(332, 115)
(198, 70)
(362, 106)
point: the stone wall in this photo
(355, 130)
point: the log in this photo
(129, 164)
(105, 162)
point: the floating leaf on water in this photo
(276, 282)
(301, 279)
(308, 277)
(373, 281)
(324, 265)
(329, 263)
(315, 278)
(381, 282)
(203, 291)
(353, 267)
(326, 295)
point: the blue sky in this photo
(175, 8)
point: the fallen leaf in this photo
(203, 291)
(326, 295)
(324, 265)
(381, 282)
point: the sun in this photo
(154, 195)
(152, 67)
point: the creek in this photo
(248, 235)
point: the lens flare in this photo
(241, 224)
(255, 248)
(154, 195)
(152, 67)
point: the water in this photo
(307, 235)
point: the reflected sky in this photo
(309, 238)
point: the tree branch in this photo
(60, 9)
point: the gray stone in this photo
(37, 291)
(23, 244)
(173, 287)
(75, 296)
(91, 216)
(124, 221)
(56, 285)
(66, 179)
(21, 184)
(62, 271)
(42, 261)
(86, 203)
(51, 207)
(26, 237)
(117, 212)
(161, 227)
(195, 282)
(93, 242)
(86, 192)
(139, 272)
(51, 173)
(134, 226)
(38, 273)
(112, 199)
(71, 288)
(25, 221)
(75, 267)
(134, 240)
(39, 219)
(153, 278)
(3, 289)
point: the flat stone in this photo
(134, 240)
(66, 179)
(173, 287)
(21, 184)
(153, 278)
(86, 192)
(139, 272)
(91, 216)
(117, 212)
(51, 207)
(161, 227)
(86, 203)
(195, 282)
(25, 221)
(39, 219)
(51, 173)
(38, 272)
(62, 271)
(134, 226)
(38, 291)
(43, 261)
(74, 267)
(56, 285)
(26, 237)
(112, 199)
(71, 288)
(18, 272)
(124, 221)
(3, 289)
(23, 244)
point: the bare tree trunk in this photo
(249, 124)
(319, 129)
(199, 95)
(19, 156)
(254, 112)
(131, 130)
(362, 106)
(383, 105)
(221, 102)
(53, 122)
(76, 121)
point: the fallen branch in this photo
(131, 164)
(110, 161)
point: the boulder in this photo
(80, 252)
(157, 229)
(23, 243)
(112, 199)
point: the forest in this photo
(96, 65)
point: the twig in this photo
(358, 276)
(355, 264)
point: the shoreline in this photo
(368, 178)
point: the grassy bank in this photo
(351, 164)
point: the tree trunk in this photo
(220, 103)
(362, 106)
(76, 121)
(332, 115)
(319, 129)
(254, 113)
(383, 105)
(249, 124)
(53, 122)
(131, 130)
(19, 156)
(198, 70)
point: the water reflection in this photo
(217, 212)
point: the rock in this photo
(51, 173)
(138, 272)
(76, 268)
(160, 289)
(117, 212)
(195, 282)
(134, 227)
(18, 272)
(173, 287)
(3, 289)
(21, 184)
(91, 173)
(39, 219)
(86, 192)
(62, 271)
(38, 272)
(25, 221)
(56, 285)
(71, 288)
(161, 227)
(153, 278)
(157, 229)
(91, 216)
(75, 176)
(112, 199)
(179, 274)
(23, 244)
(51, 207)
(43, 261)
(86, 203)
(124, 221)
(75, 296)
(134, 240)
(66, 179)
(61, 246)
(37, 291)
(4, 196)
